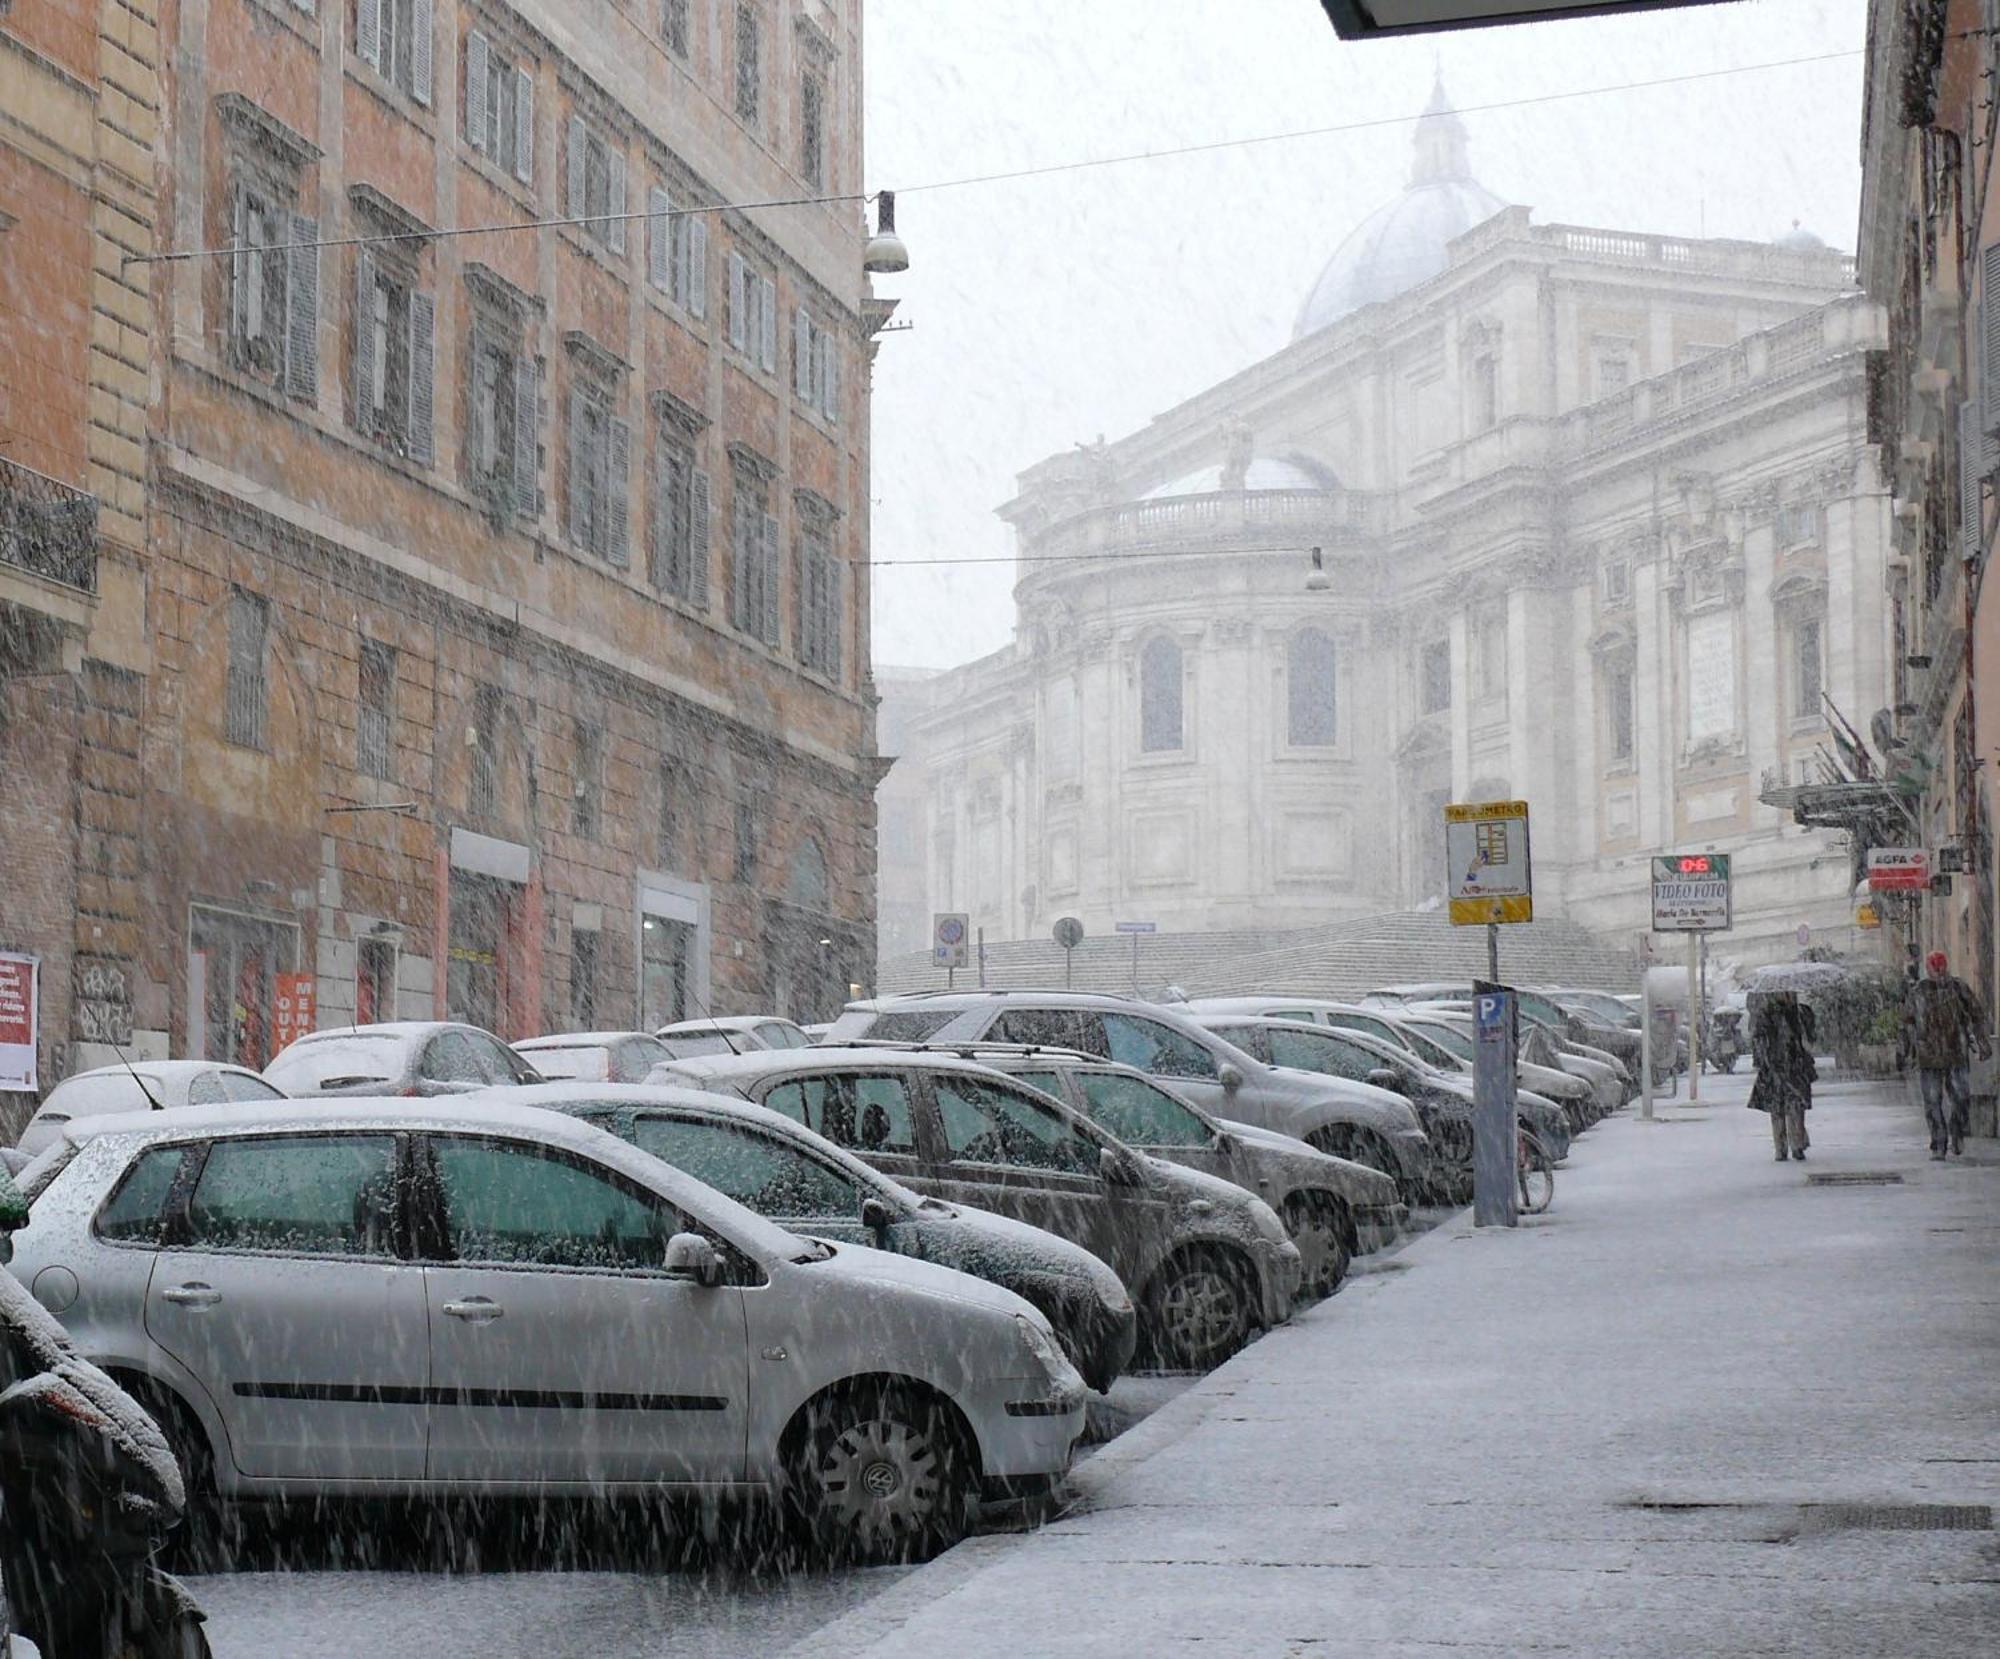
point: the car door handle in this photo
(475, 1310)
(193, 1295)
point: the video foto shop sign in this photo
(1691, 893)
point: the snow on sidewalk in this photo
(1664, 1418)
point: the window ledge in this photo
(664, 303)
(582, 242)
(288, 17)
(497, 176)
(372, 80)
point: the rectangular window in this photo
(234, 961)
(600, 461)
(677, 561)
(499, 107)
(482, 795)
(596, 184)
(1435, 690)
(1617, 582)
(1485, 394)
(819, 600)
(674, 26)
(246, 696)
(583, 962)
(394, 356)
(1493, 658)
(1618, 710)
(1798, 525)
(585, 791)
(395, 38)
(753, 541)
(273, 287)
(753, 313)
(374, 982)
(677, 251)
(1810, 676)
(747, 837)
(815, 365)
(1614, 373)
(812, 128)
(375, 718)
(749, 63)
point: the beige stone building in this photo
(1598, 525)
(505, 589)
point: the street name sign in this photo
(951, 937)
(1898, 870)
(1488, 877)
(1691, 893)
(1136, 927)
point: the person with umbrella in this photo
(1942, 1023)
(1781, 1047)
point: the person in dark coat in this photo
(1942, 1024)
(1781, 1045)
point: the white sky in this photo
(1049, 310)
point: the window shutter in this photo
(831, 616)
(423, 369)
(239, 267)
(579, 145)
(660, 239)
(830, 385)
(657, 570)
(697, 289)
(302, 302)
(617, 492)
(801, 601)
(1971, 449)
(802, 354)
(698, 510)
(478, 64)
(364, 332)
(739, 286)
(524, 126)
(423, 32)
(579, 461)
(1989, 336)
(368, 31)
(770, 625)
(615, 226)
(767, 322)
(527, 424)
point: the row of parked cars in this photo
(873, 1275)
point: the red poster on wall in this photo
(19, 1020)
(293, 1016)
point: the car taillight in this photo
(411, 1093)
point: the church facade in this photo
(1581, 516)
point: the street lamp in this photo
(1317, 580)
(885, 253)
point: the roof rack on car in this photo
(966, 1048)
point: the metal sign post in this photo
(1495, 1135)
(1694, 893)
(951, 935)
(1068, 932)
(1136, 929)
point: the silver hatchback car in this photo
(364, 1297)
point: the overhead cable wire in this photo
(1009, 175)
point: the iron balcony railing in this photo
(47, 528)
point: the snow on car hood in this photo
(1370, 1184)
(881, 1271)
(1002, 1240)
(1223, 1202)
(1341, 1100)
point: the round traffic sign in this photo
(950, 930)
(1068, 932)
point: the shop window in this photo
(666, 957)
(234, 961)
(475, 972)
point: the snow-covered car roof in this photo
(822, 1057)
(495, 1111)
(579, 1039)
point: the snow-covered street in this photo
(1708, 1404)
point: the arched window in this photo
(1160, 696)
(1310, 690)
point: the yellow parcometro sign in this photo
(1488, 876)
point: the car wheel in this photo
(1318, 1224)
(882, 1475)
(1198, 1310)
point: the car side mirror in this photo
(1383, 1078)
(690, 1256)
(876, 1216)
(1229, 1077)
(1119, 1168)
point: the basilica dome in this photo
(1402, 243)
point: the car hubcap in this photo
(1320, 1250)
(883, 1481)
(1200, 1311)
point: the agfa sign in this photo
(1899, 870)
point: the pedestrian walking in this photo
(1943, 1024)
(1781, 1048)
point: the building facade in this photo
(1930, 254)
(80, 92)
(1581, 516)
(505, 589)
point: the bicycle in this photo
(1535, 1172)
